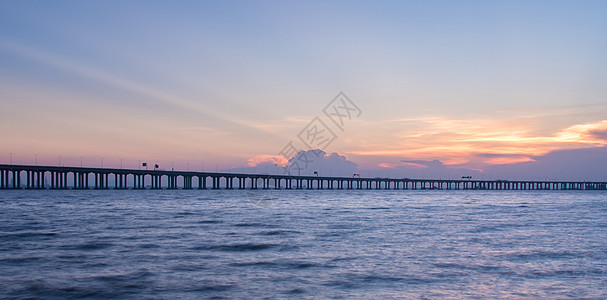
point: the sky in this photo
(492, 89)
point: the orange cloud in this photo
(264, 158)
(459, 141)
(508, 160)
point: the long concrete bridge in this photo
(50, 177)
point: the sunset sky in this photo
(475, 86)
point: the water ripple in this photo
(310, 244)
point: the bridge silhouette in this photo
(35, 177)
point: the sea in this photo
(303, 244)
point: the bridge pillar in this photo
(229, 182)
(189, 181)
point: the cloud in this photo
(599, 134)
(267, 159)
(425, 163)
(508, 160)
(576, 164)
(401, 164)
(420, 169)
(470, 142)
(306, 162)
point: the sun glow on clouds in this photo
(464, 142)
(508, 160)
(266, 158)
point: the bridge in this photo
(53, 177)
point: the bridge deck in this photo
(52, 177)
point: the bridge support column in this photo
(229, 183)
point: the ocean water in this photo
(232, 244)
